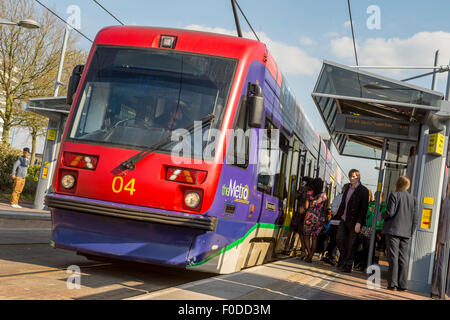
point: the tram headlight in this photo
(68, 181)
(192, 199)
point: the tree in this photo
(29, 63)
(37, 126)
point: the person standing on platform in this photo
(400, 223)
(315, 218)
(330, 256)
(19, 173)
(303, 195)
(352, 215)
(362, 256)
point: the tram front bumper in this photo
(127, 239)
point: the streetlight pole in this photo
(27, 23)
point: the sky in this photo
(300, 34)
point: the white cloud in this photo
(343, 47)
(306, 41)
(347, 24)
(331, 34)
(197, 27)
(290, 59)
(418, 50)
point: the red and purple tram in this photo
(121, 187)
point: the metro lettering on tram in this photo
(122, 188)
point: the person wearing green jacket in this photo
(361, 262)
(371, 212)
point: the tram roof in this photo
(360, 108)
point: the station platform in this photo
(287, 279)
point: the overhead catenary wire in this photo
(51, 11)
(108, 12)
(353, 32)
(246, 20)
(356, 54)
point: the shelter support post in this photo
(50, 154)
(377, 203)
(428, 188)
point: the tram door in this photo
(294, 181)
(290, 177)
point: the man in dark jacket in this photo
(352, 214)
(400, 223)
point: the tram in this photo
(129, 185)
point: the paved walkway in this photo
(289, 279)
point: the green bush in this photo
(7, 158)
(32, 180)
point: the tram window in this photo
(322, 168)
(281, 173)
(295, 169)
(302, 165)
(312, 165)
(238, 147)
(268, 157)
(136, 97)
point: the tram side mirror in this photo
(255, 105)
(73, 83)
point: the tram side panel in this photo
(249, 218)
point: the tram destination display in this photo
(383, 128)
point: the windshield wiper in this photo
(130, 164)
(110, 131)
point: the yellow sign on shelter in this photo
(426, 219)
(436, 144)
(51, 134)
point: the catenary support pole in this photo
(433, 81)
(61, 62)
(447, 91)
(236, 19)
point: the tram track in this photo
(24, 244)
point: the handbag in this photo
(365, 232)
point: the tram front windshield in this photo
(136, 97)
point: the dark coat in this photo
(400, 218)
(356, 207)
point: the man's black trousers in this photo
(397, 254)
(346, 238)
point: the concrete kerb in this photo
(20, 215)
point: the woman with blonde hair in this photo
(400, 222)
